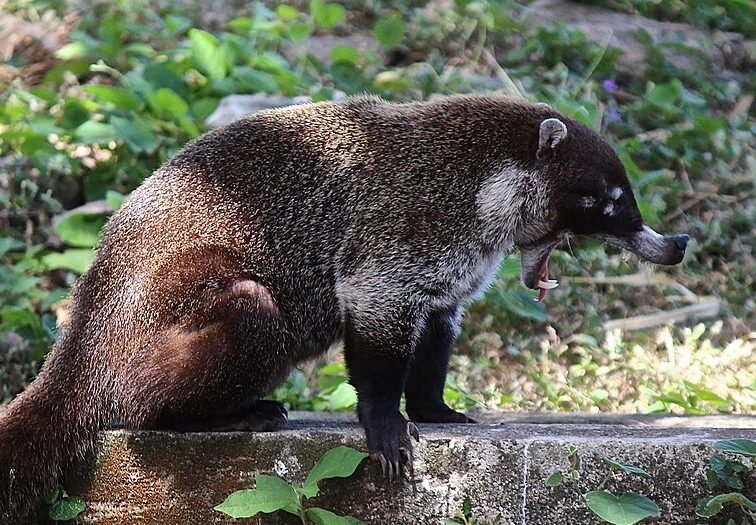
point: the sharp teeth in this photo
(548, 285)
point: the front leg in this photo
(425, 386)
(378, 365)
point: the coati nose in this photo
(681, 241)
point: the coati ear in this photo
(550, 134)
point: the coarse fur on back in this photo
(264, 242)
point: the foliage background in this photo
(95, 96)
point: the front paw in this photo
(439, 414)
(390, 443)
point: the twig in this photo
(704, 309)
(741, 107)
(501, 74)
(635, 279)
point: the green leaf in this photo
(343, 397)
(510, 268)
(389, 31)
(248, 80)
(241, 24)
(156, 76)
(745, 447)
(664, 95)
(467, 507)
(325, 517)
(326, 15)
(71, 51)
(76, 259)
(299, 31)
(627, 467)
(555, 479)
(627, 509)
(523, 305)
(92, 132)
(167, 104)
(8, 244)
(339, 462)
(286, 12)
(270, 495)
(346, 54)
(706, 395)
(80, 229)
(54, 495)
(727, 471)
(114, 199)
(207, 54)
(67, 508)
(23, 321)
(708, 507)
(135, 133)
(119, 97)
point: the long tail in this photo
(54, 422)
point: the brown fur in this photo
(263, 243)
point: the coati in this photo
(262, 243)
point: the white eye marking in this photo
(587, 202)
(616, 193)
(609, 209)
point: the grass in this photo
(87, 119)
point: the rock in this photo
(620, 30)
(233, 107)
(170, 479)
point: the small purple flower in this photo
(609, 85)
(612, 115)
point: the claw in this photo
(412, 431)
(384, 464)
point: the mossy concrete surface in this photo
(167, 478)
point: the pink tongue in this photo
(543, 291)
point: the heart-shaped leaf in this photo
(709, 507)
(270, 495)
(339, 462)
(389, 31)
(207, 54)
(80, 229)
(627, 467)
(745, 447)
(75, 259)
(555, 479)
(67, 508)
(327, 15)
(325, 517)
(627, 509)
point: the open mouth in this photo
(535, 267)
(544, 284)
(645, 243)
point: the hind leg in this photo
(209, 372)
(261, 416)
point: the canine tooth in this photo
(548, 285)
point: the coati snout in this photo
(264, 242)
(590, 195)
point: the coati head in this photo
(588, 193)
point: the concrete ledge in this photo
(176, 479)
